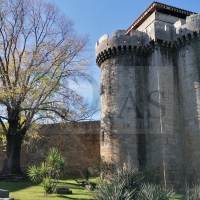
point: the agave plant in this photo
(123, 185)
(154, 192)
(113, 191)
(192, 193)
(131, 177)
(128, 183)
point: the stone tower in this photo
(150, 93)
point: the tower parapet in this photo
(172, 35)
(107, 47)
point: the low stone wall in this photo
(78, 142)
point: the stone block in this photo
(6, 198)
(4, 193)
(63, 191)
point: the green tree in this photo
(49, 171)
(39, 53)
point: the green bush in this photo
(49, 171)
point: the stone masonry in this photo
(78, 142)
(150, 94)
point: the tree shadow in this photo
(72, 184)
(71, 197)
(16, 186)
(63, 197)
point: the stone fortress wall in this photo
(150, 96)
(78, 142)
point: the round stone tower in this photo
(150, 94)
(122, 113)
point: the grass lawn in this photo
(27, 190)
(178, 196)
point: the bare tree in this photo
(39, 53)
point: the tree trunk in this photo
(12, 160)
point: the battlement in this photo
(194, 17)
(118, 43)
(154, 29)
(119, 38)
(173, 35)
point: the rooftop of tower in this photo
(162, 8)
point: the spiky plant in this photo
(192, 193)
(113, 191)
(49, 171)
(131, 177)
(154, 192)
(123, 185)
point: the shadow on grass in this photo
(16, 186)
(62, 196)
(72, 184)
(71, 197)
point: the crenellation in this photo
(141, 40)
(103, 37)
(193, 17)
(178, 23)
(135, 32)
(118, 33)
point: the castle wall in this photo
(189, 78)
(163, 134)
(155, 76)
(78, 142)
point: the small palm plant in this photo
(49, 171)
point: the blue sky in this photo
(97, 17)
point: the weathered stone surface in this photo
(4, 193)
(78, 143)
(63, 191)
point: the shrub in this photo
(49, 171)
